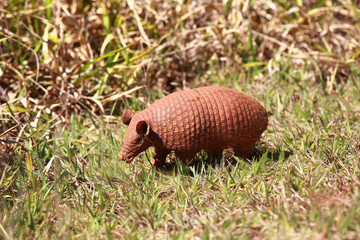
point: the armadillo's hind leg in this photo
(159, 158)
(245, 150)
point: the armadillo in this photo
(209, 118)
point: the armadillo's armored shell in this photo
(207, 118)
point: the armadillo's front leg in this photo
(159, 158)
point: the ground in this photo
(68, 69)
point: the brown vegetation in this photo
(171, 42)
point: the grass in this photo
(67, 73)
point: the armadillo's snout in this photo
(124, 157)
(121, 156)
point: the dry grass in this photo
(48, 49)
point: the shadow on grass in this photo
(209, 161)
(271, 155)
(204, 161)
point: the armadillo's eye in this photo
(138, 140)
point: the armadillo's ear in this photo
(127, 116)
(142, 128)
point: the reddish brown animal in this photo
(211, 118)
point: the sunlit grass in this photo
(60, 175)
(82, 190)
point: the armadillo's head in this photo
(136, 138)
